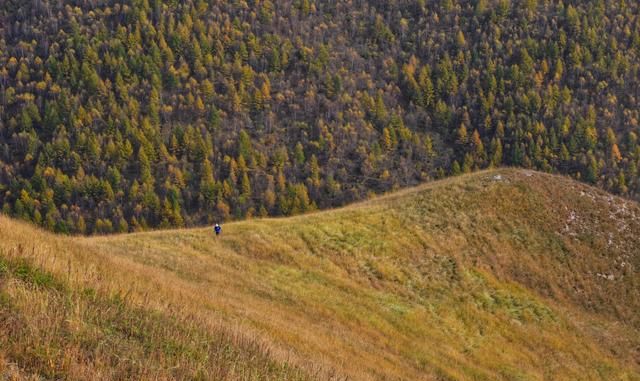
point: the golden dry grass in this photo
(499, 275)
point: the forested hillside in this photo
(121, 115)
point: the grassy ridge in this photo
(55, 331)
(70, 322)
(506, 274)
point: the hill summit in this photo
(497, 275)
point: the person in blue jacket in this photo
(218, 229)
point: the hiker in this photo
(217, 229)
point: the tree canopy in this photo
(122, 115)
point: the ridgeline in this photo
(498, 275)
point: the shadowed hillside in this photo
(500, 275)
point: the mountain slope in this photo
(506, 274)
(125, 115)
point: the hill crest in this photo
(500, 274)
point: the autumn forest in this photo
(127, 115)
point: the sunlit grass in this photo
(478, 277)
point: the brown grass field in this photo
(498, 275)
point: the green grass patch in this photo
(21, 269)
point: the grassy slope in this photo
(506, 274)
